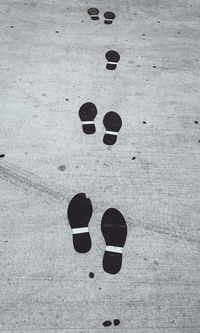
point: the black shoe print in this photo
(112, 58)
(87, 113)
(116, 322)
(93, 12)
(109, 17)
(79, 213)
(114, 230)
(112, 122)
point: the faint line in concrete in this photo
(21, 178)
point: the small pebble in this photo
(196, 122)
(61, 167)
(91, 275)
(2, 155)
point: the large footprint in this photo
(79, 213)
(113, 123)
(114, 230)
(87, 113)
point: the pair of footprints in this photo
(112, 57)
(112, 122)
(94, 14)
(113, 228)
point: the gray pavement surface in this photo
(45, 77)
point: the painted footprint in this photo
(79, 213)
(113, 123)
(109, 17)
(113, 58)
(93, 12)
(87, 113)
(114, 230)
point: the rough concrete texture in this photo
(45, 77)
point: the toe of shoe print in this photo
(94, 12)
(87, 113)
(79, 214)
(113, 58)
(113, 123)
(114, 230)
(109, 17)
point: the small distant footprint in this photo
(108, 323)
(93, 12)
(87, 113)
(109, 17)
(113, 58)
(113, 123)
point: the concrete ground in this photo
(52, 60)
